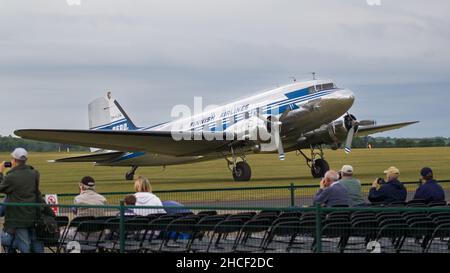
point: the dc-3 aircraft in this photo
(293, 117)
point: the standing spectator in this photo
(331, 192)
(352, 185)
(88, 196)
(388, 191)
(21, 184)
(145, 197)
(430, 191)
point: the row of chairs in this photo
(266, 231)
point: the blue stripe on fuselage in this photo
(130, 156)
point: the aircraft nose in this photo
(345, 96)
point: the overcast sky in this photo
(56, 58)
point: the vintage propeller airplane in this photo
(293, 117)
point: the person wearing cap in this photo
(352, 185)
(20, 186)
(391, 190)
(88, 196)
(430, 190)
(331, 192)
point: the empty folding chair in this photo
(440, 232)
(221, 230)
(247, 242)
(340, 230)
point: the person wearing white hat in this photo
(21, 184)
(391, 190)
(352, 185)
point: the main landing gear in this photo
(130, 174)
(240, 169)
(318, 165)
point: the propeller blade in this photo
(278, 143)
(348, 142)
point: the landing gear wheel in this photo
(242, 171)
(319, 168)
(129, 176)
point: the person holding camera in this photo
(391, 190)
(331, 192)
(20, 185)
(430, 190)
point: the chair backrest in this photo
(288, 228)
(136, 224)
(207, 212)
(78, 220)
(62, 221)
(256, 225)
(91, 226)
(291, 214)
(182, 225)
(228, 226)
(208, 223)
(437, 204)
(336, 229)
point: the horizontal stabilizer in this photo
(96, 157)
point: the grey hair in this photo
(332, 175)
(87, 188)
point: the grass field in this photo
(267, 170)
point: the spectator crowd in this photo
(21, 185)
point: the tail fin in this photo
(106, 114)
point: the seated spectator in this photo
(129, 200)
(388, 191)
(145, 197)
(331, 192)
(430, 191)
(352, 185)
(88, 196)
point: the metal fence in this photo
(275, 196)
(125, 229)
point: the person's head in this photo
(330, 177)
(87, 183)
(142, 184)
(130, 200)
(347, 171)
(19, 157)
(392, 173)
(426, 173)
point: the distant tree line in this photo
(9, 143)
(389, 142)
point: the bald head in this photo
(330, 177)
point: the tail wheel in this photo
(242, 171)
(319, 168)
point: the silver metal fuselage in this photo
(307, 106)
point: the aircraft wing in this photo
(94, 157)
(373, 129)
(160, 142)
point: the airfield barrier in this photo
(125, 229)
(275, 196)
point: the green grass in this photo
(267, 170)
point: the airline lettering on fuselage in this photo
(224, 114)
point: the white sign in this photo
(52, 199)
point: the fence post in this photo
(318, 228)
(122, 227)
(292, 195)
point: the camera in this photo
(380, 181)
(7, 164)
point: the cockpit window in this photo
(321, 87)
